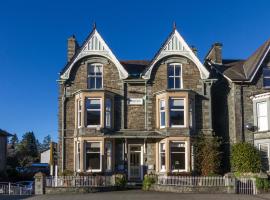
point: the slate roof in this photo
(243, 70)
(135, 67)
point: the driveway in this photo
(139, 195)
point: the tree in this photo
(207, 155)
(14, 140)
(27, 149)
(245, 158)
(46, 142)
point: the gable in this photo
(176, 46)
(94, 46)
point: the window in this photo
(108, 150)
(266, 77)
(191, 113)
(77, 154)
(95, 76)
(177, 112)
(264, 150)
(108, 113)
(93, 156)
(174, 76)
(162, 165)
(93, 107)
(262, 119)
(79, 116)
(178, 156)
(162, 114)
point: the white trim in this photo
(183, 51)
(141, 160)
(79, 111)
(186, 156)
(185, 107)
(162, 111)
(100, 109)
(100, 48)
(260, 96)
(100, 156)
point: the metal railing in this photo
(80, 181)
(8, 188)
(246, 186)
(202, 181)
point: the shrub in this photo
(147, 182)
(245, 158)
(262, 184)
(120, 180)
(207, 155)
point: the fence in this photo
(80, 181)
(241, 185)
(14, 189)
(192, 181)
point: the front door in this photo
(135, 162)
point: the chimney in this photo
(72, 47)
(217, 47)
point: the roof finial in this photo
(94, 25)
(174, 25)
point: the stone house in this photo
(133, 116)
(3, 149)
(241, 98)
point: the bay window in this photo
(108, 113)
(177, 112)
(262, 117)
(178, 156)
(162, 113)
(174, 76)
(162, 165)
(95, 76)
(93, 157)
(264, 150)
(93, 108)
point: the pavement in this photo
(139, 195)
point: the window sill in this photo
(94, 170)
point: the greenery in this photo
(262, 184)
(207, 155)
(148, 181)
(120, 180)
(245, 158)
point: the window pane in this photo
(170, 70)
(171, 82)
(162, 119)
(177, 161)
(178, 147)
(98, 82)
(92, 83)
(92, 161)
(108, 104)
(91, 70)
(93, 104)
(92, 147)
(177, 104)
(177, 82)
(266, 72)
(98, 70)
(93, 117)
(162, 104)
(162, 161)
(266, 82)
(177, 70)
(176, 118)
(262, 124)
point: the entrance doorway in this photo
(135, 162)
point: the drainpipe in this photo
(63, 126)
(145, 106)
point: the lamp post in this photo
(249, 126)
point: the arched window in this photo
(95, 76)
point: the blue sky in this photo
(34, 34)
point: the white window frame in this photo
(79, 113)
(186, 160)
(265, 77)
(78, 156)
(108, 112)
(108, 169)
(100, 109)
(159, 154)
(261, 116)
(184, 109)
(100, 156)
(94, 76)
(174, 76)
(162, 111)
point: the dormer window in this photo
(95, 74)
(174, 76)
(266, 77)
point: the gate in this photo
(14, 189)
(246, 186)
